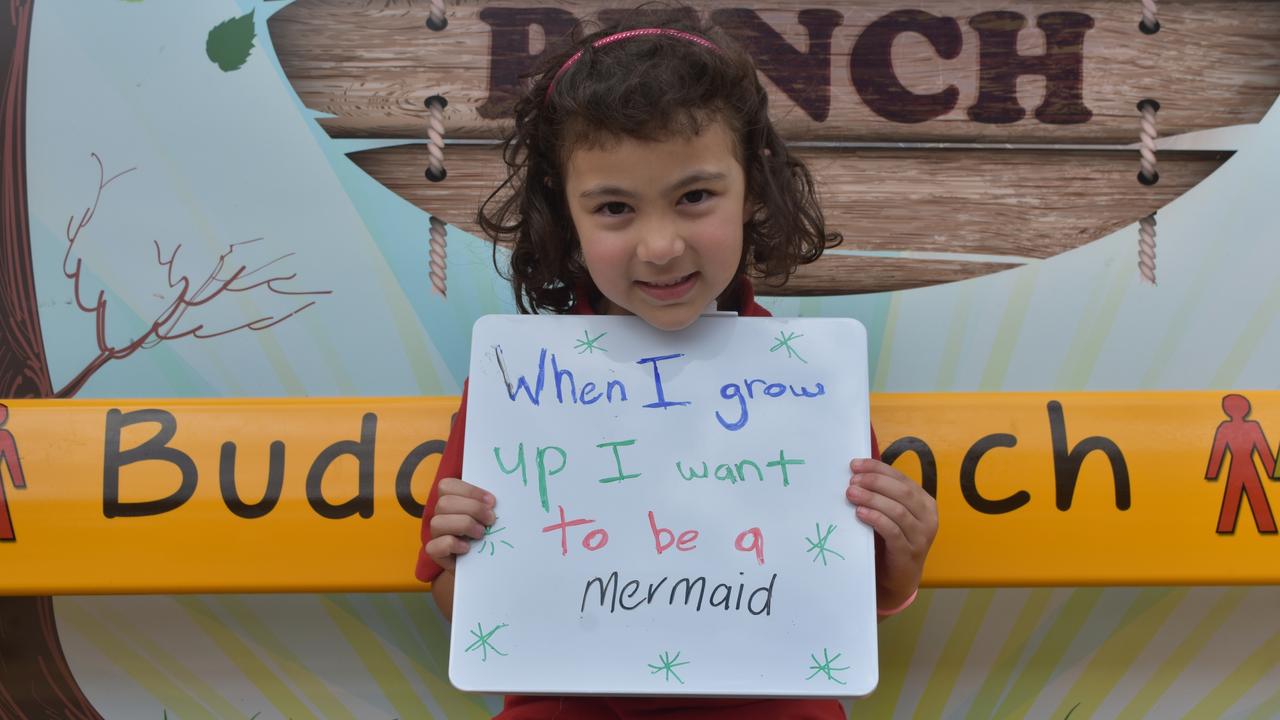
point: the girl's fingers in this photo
(461, 505)
(903, 522)
(445, 549)
(455, 525)
(898, 487)
(885, 527)
(435, 551)
(868, 465)
(904, 494)
(462, 510)
(455, 486)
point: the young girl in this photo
(647, 179)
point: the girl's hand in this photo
(462, 511)
(905, 519)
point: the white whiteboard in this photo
(540, 611)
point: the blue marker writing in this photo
(662, 401)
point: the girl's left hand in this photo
(905, 519)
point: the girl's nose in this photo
(660, 245)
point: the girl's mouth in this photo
(669, 290)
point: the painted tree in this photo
(36, 682)
(184, 293)
(35, 678)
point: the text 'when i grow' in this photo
(570, 389)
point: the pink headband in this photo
(626, 34)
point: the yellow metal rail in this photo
(324, 494)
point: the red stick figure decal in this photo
(8, 461)
(1242, 438)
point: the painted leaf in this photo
(229, 42)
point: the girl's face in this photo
(660, 222)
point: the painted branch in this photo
(73, 386)
(998, 205)
(1213, 63)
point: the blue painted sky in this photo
(223, 157)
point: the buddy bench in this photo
(325, 494)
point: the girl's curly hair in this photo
(646, 88)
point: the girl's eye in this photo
(613, 209)
(695, 197)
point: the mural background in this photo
(225, 156)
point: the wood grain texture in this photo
(1010, 204)
(845, 274)
(1214, 63)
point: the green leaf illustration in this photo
(229, 42)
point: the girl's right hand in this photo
(462, 511)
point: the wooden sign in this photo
(990, 71)
(992, 209)
(669, 500)
(846, 83)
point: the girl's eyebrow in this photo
(607, 190)
(693, 178)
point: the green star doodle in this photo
(784, 343)
(588, 343)
(825, 667)
(819, 543)
(491, 546)
(483, 641)
(667, 665)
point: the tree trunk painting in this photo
(23, 370)
(35, 679)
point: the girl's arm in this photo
(905, 519)
(442, 591)
(436, 561)
(462, 511)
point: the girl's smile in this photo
(660, 222)
(673, 290)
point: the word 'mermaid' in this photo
(568, 391)
(612, 593)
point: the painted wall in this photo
(216, 157)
